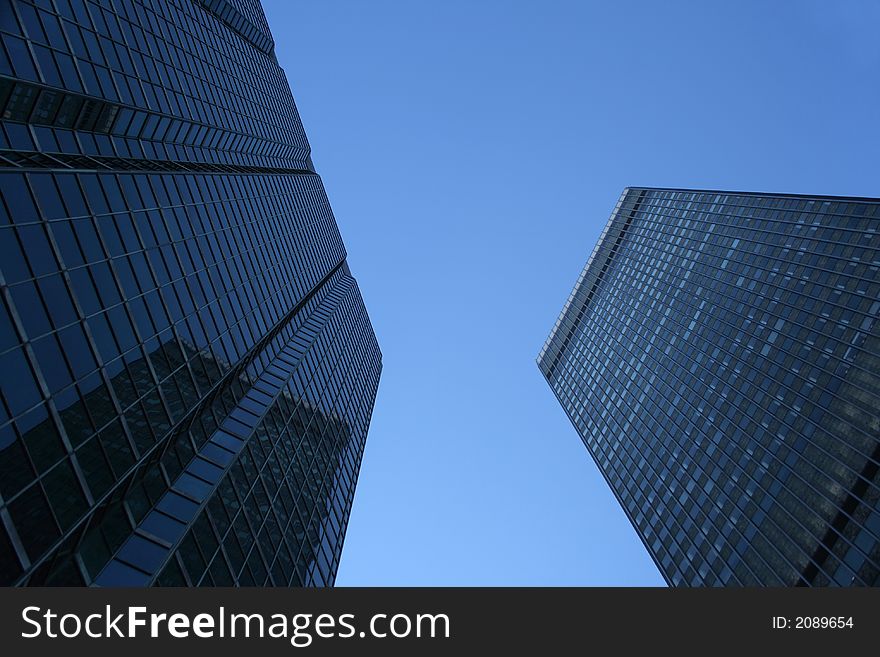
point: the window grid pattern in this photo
(724, 374)
(165, 250)
(161, 79)
(261, 421)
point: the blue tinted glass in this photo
(244, 273)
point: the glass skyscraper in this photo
(720, 358)
(188, 369)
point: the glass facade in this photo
(720, 358)
(188, 369)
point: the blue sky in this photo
(472, 152)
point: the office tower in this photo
(188, 368)
(720, 358)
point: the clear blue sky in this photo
(472, 151)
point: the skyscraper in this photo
(188, 368)
(720, 358)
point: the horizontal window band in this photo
(66, 162)
(39, 104)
